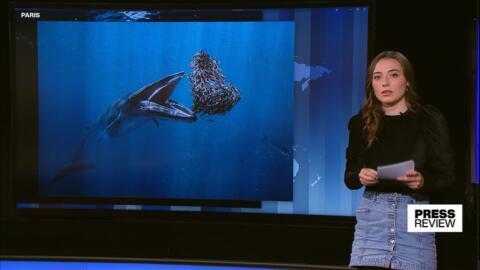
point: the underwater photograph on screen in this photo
(122, 109)
(176, 110)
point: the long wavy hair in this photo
(372, 109)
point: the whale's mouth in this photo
(156, 101)
(161, 90)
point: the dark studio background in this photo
(436, 37)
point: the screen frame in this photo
(11, 199)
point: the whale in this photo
(149, 103)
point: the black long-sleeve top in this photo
(421, 136)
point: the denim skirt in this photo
(381, 237)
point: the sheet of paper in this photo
(393, 171)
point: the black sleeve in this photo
(355, 153)
(439, 172)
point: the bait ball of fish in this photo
(211, 95)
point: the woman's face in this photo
(389, 82)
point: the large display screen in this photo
(247, 108)
(160, 139)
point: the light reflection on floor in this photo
(62, 265)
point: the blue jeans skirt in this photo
(381, 237)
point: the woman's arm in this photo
(355, 153)
(439, 170)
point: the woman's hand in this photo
(412, 179)
(368, 177)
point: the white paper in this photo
(393, 171)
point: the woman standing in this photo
(393, 127)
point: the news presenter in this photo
(392, 127)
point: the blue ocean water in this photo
(84, 67)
